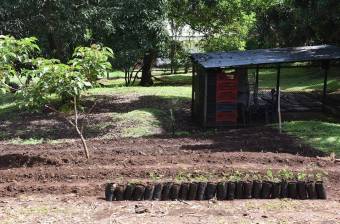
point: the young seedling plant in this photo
(271, 177)
(286, 175)
(301, 176)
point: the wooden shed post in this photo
(278, 83)
(205, 98)
(256, 89)
(279, 110)
(325, 66)
(193, 91)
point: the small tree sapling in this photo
(50, 79)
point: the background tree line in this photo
(136, 30)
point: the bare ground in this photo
(73, 209)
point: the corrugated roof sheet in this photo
(266, 56)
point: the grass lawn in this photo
(322, 135)
(300, 79)
(162, 91)
(7, 104)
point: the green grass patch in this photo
(299, 79)
(163, 91)
(30, 141)
(8, 104)
(141, 123)
(322, 135)
(116, 74)
(33, 141)
(161, 79)
(175, 80)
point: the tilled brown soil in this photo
(62, 169)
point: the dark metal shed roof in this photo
(266, 56)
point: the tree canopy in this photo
(131, 28)
(137, 29)
(296, 22)
(224, 23)
(59, 25)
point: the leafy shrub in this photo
(53, 78)
(12, 53)
(92, 61)
(49, 77)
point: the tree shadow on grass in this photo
(259, 139)
(102, 121)
(254, 139)
(150, 116)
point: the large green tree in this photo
(135, 30)
(59, 25)
(225, 24)
(299, 22)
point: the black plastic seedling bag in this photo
(119, 193)
(292, 190)
(138, 193)
(239, 190)
(266, 190)
(247, 190)
(128, 192)
(221, 191)
(174, 191)
(166, 191)
(257, 188)
(109, 192)
(148, 193)
(192, 191)
(184, 191)
(301, 186)
(320, 190)
(284, 189)
(201, 191)
(276, 190)
(157, 193)
(210, 191)
(311, 190)
(231, 190)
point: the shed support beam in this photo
(256, 89)
(193, 91)
(205, 98)
(278, 83)
(325, 66)
(279, 110)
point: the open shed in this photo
(225, 93)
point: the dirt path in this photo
(72, 209)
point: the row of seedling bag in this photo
(235, 187)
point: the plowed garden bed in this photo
(61, 168)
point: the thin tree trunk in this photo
(75, 123)
(83, 141)
(126, 77)
(146, 70)
(86, 150)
